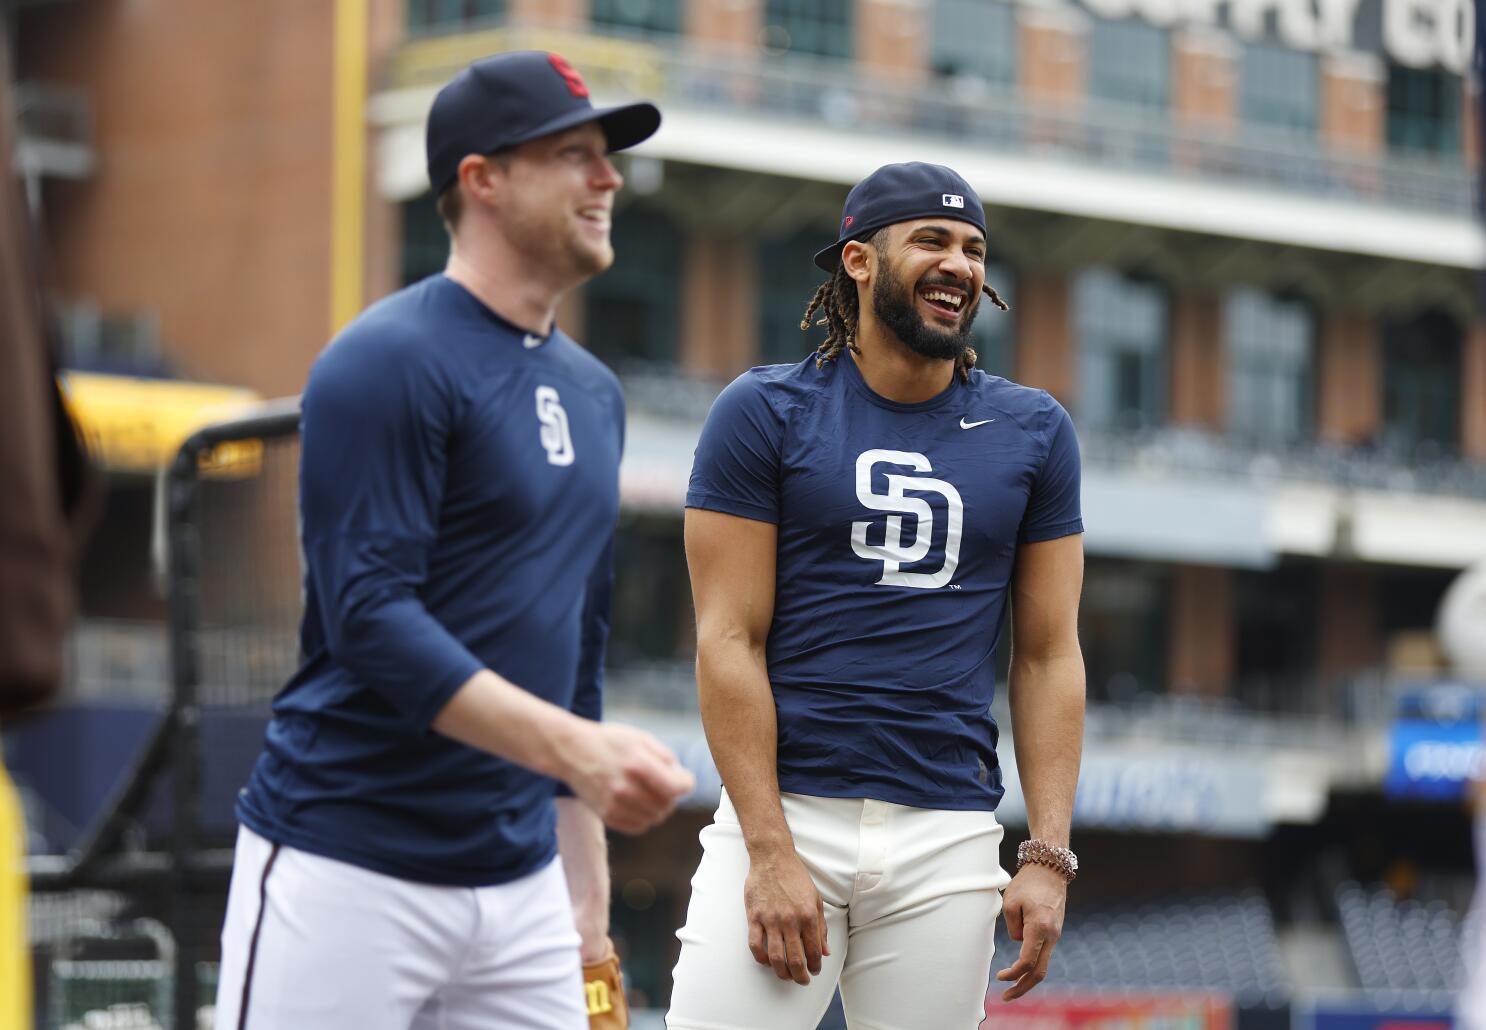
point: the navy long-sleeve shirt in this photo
(459, 487)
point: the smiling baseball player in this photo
(401, 862)
(856, 527)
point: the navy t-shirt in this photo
(459, 486)
(898, 530)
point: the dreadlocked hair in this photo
(836, 300)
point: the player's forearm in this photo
(493, 714)
(1047, 719)
(585, 862)
(741, 722)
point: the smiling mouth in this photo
(595, 217)
(945, 303)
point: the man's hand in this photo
(629, 778)
(786, 917)
(1033, 907)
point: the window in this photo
(787, 279)
(995, 330)
(1122, 328)
(1122, 627)
(432, 14)
(821, 27)
(638, 15)
(1276, 615)
(1130, 63)
(1269, 349)
(1423, 110)
(651, 608)
(974, 38)
(633, 308)
(1421, 385)
(1279, 88)
(425, 243)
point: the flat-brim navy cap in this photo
(510, 98)
(903, 193)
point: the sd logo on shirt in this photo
(892, 552)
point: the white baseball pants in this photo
(911, 899)
(310, 943)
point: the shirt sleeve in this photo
(1055, 506)
(374, 438)
(736, 467)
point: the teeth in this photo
(949, 298)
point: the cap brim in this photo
(827, 260)
(623, 125)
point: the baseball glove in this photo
(603, 990)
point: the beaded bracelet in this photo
(1040, 852)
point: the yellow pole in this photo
(348, 163)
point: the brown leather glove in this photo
(603, 990)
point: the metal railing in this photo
(1424, 470)
(970, 112)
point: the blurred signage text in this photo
(1416, 33)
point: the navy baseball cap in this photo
(510, 98)
(902, 193)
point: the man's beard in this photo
(904, 321)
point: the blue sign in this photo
(1436, 749)
(1432, 762)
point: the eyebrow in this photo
(946, 231)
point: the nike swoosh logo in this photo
(531, 342)
(972, 425)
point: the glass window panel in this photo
(822, 27)
(994, 331)
(1269, 351)
(1279, 88)
(1421, 385)
(1122, 337)
(1276, 622)
(425, 243)
(427, 14)
(1423, 110)
(974, 38)
(1130, 63)
(640, 15)
(650, 592)
(787, 279)
(1122, 628)
(633, 309)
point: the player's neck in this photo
(504, 283)
(894, 372)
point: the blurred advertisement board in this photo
(1359, 1014)
(1155, 790)
(1160, 790)
(1132, 1011)
(1435, 744)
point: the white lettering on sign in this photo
(1416, 33)
(1441, 760)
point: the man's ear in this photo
(859, 260)
(481, 178)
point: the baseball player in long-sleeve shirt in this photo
(398, 860)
